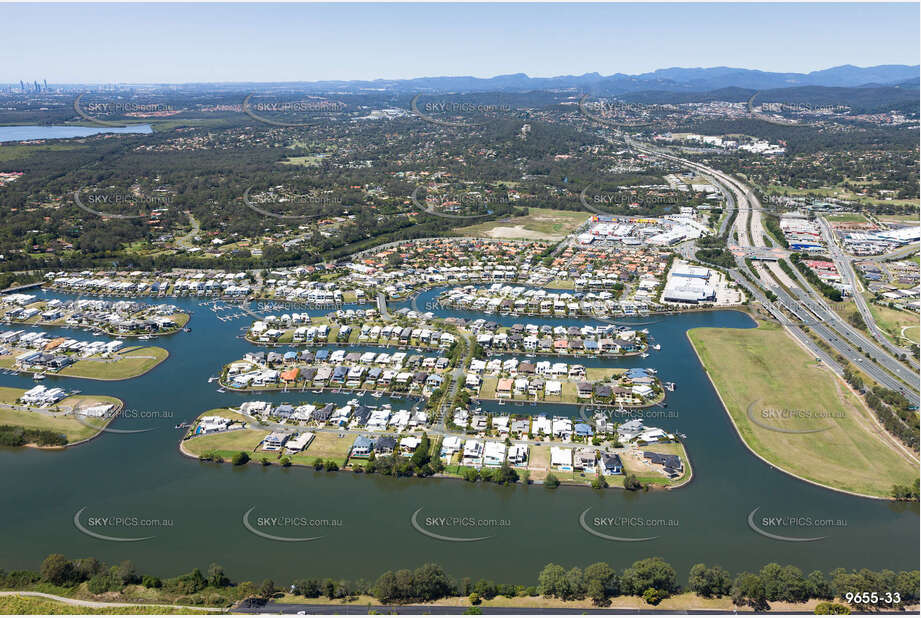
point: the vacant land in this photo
(763, 372)
(127, 364)
(327, 445)
(847, 217)
(539, 224)
(896, 323)
(227, 443)
(58, 418)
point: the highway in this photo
(846, 268)
(881, 366)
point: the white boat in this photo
(644, 355)
(38, 376)
(657, 347)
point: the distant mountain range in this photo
(671, 80)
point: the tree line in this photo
(652, 579)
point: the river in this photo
(194, 511)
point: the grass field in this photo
(307, 161)
(764, 369)
(66, 424)
(12, 152)
(847, 217)
(226, 444)
(326, 445)
(892, 321)
(132, 364)
(539, 224)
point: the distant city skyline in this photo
(188, 43)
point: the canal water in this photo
(189, 514)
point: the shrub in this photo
(831, 608)
(653, 596)
(551, 482)
(240, 458)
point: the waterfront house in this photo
(450, 445)
(561, 458)
(409, 444)
(384, 446)
(324, 414)
(494, 454)
(361, 447)
(584, 389)
(609, 464)
(504, 388)
(300, 442)
(518, 454)
(274, 441)
(671, 464)
(584, 459)
(473, 453)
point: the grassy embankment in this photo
(57, 419)
(25, 605)
(765, 369)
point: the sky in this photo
(180, 43)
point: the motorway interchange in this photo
(798, 297)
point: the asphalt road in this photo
(846, 268)
(749, 218)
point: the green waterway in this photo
(200, 506)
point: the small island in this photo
(43, 417)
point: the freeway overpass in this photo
(881, 367)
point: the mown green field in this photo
(763, 369)
(135, 362)
(65, 423)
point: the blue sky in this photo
(104, 43)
